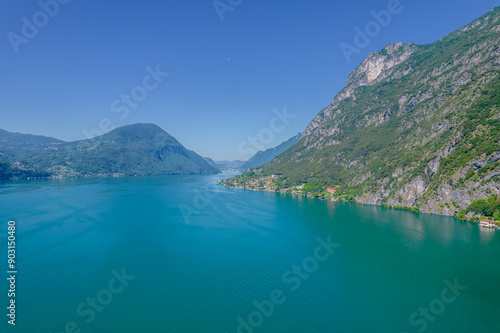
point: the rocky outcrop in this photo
(376, 67)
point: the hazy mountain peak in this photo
(140, 130)
(266, 156)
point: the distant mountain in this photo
(266, 156)
(415, 126)
(236, 164)
(14, 146)
(133, 150)
(211, 162)
(225, 164)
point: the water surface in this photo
(198, 258)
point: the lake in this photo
(183, 254)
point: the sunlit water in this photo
(182, 254)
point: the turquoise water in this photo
(192, 256)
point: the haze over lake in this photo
(182, 254)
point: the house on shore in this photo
(487, 223)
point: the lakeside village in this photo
(271, 183)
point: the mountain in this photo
(211, 162)
(133, 150)
(263, 157)
(16, 145)
(415, 126)
(230, 165)
(225, 164)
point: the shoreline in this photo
(402, 208)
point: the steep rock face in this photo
(376, 67)
(409, 193)
(413, 126)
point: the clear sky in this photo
(86, 66)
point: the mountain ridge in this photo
(14, 145)
(131, 150)
(407, 128)
(266, 156)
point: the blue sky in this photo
(227, 79)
